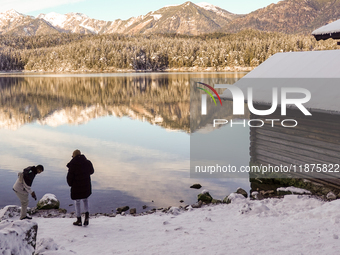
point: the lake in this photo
(135, 128)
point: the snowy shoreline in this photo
(170, 70)
(294, 224)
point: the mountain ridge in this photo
(287, 16)
(187, 18)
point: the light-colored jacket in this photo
(20, 186)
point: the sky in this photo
(114, 9)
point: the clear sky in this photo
(119, 9)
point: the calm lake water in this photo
(133, 127)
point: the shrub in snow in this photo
(18, 237)
(204, 196)
(216, 201)
(48, 201)
(204, 191)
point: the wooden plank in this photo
(306, 134)
(297, 139)
(289, 158)
(331, 122)
(318, 122)
(269, 146)
(334, 126)
(316, 149)
(297, 114)
(321, 128)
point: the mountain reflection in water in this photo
(121, 122)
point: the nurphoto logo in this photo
(238, 99)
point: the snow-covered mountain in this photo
(73, 22)
(187, 18)
(288, 16)
(217, 10)
(13, 22)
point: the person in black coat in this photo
(78, 178)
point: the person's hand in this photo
(34, 196)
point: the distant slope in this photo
(34, 27)
(289, 16)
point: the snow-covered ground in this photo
(296, 224)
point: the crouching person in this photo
(22, 187)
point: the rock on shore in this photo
(18, 237)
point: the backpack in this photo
(26, 171)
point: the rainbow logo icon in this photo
(211, 88)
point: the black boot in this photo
(86, 221)
(26, 218)
(78, 222)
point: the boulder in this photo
(331, 196)
(133, 211)
(18, 237)
(9, 211)
(48, 201)
(205, 197)
(256, 195)
(174, 210)
(46, 245)
(233, 197)
(242, 192)
(197, 205)
(196, 186)
(122, 209)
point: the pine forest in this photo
(99, 53)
